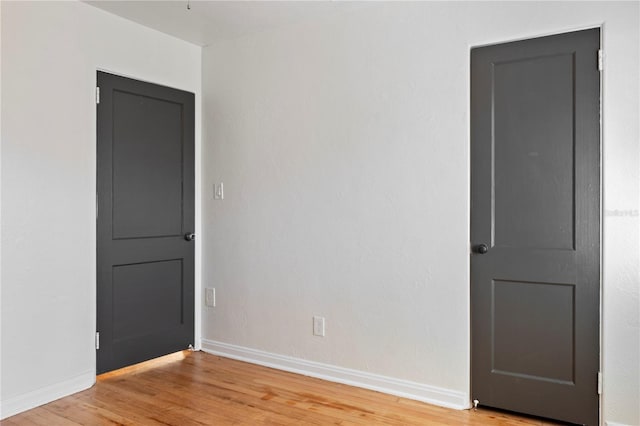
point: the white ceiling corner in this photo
(207, 22)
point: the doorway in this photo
(535, 226)
(145, 221)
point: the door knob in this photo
(481, 249)
(190, 236)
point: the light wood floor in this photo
(195, 388)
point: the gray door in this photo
(535, 266)
(145, 250)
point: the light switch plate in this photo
(218, 191)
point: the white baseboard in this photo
(403, 388)
(29, 400)
(615, 424)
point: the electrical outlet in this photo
(210, 297)
(318, 326)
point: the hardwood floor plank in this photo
(41, 418)
(195, 388)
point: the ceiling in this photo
(208, 22)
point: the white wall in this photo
(343, 146)
(50, 54)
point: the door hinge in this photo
(97, 340)
(599, 383)
(97, 95)
(600, 60)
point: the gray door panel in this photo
(535, 182)
(145, 304)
